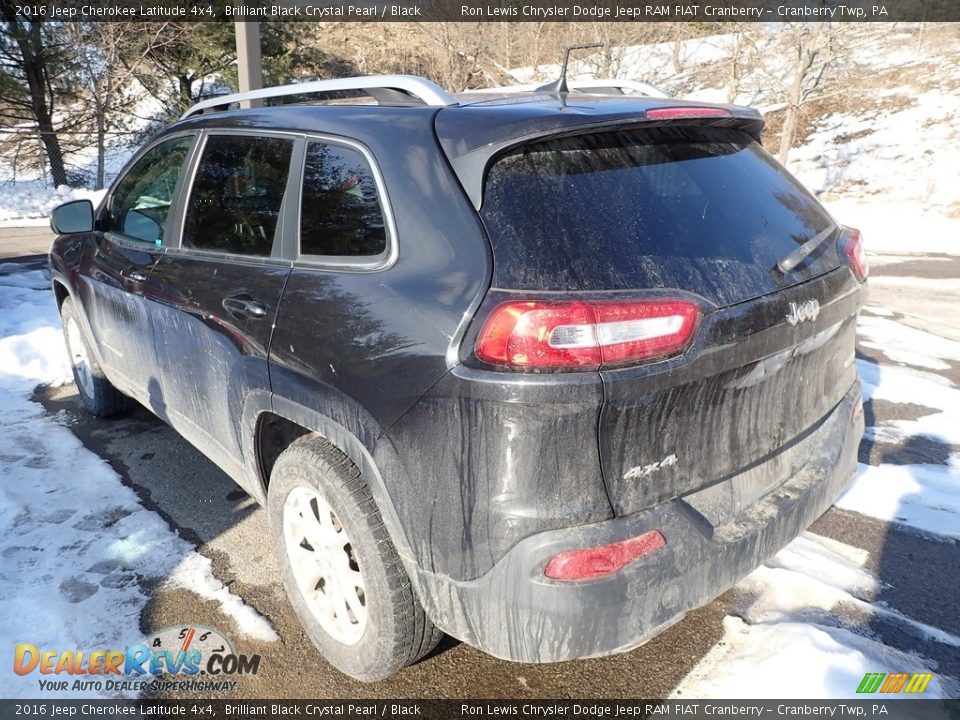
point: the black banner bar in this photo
(493, 11)
(890, 709)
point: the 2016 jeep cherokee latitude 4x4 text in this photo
(541, 371)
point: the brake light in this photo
(851, 245)
(606, 560)
(580, 335)
(681, 113)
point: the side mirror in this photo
(72, 217)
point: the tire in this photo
(99, 397)
(355, 600)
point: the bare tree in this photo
(107, 58)
(814, 47)
(461, 56)
(174, 60)
(743, 51)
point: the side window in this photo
(235, 201)
(139, 206)
(340, 213)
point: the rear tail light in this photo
(682, 113)
(605, 560)
(857, 409)
(581, 335)
(851, 246)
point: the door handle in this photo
(241, 307)
(135, 276)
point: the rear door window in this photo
(140, 203)
(705, 210)
(340, 212)
(237, 193)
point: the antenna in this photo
(560, 85)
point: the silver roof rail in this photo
(584, 86)
(381, 87)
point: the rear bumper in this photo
(514, 612)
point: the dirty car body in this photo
(585, 397)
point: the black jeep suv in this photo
(541, 371)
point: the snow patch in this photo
(905, 344)
(906, 385)
(792, 660)
(195, 573)
(31, 200)
(926, 497)
(77, 543)
(788, 639)
(893, 225)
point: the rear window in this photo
(705, 210)
(340, 213)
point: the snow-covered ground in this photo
(790, 616)
(77, 545)
(25, 204)
(893, 174)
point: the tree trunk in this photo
(791, 119)
(733, 82)
(103, 101)
(676, 55)
(30, 42)
(186, 91)
(789, 132)
(101, 146)
(58, 171)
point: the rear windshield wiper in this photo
(799, 255)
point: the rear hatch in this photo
(688, 212)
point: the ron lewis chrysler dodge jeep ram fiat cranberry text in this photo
(543, 371)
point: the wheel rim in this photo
(324, 565)
(79, 358)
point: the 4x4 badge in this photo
(801, 312)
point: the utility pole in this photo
(249, 62)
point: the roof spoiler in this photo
(598, 86)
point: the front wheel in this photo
(340, 569)
(99, 397)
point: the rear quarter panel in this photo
(358, 349)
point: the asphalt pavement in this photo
(24, 242)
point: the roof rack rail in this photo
(607, 86)
(389, 88)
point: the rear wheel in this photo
(340, 569)
(97, 394)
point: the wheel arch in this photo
(287, 420)
(60, 290)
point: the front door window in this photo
(140, 205)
